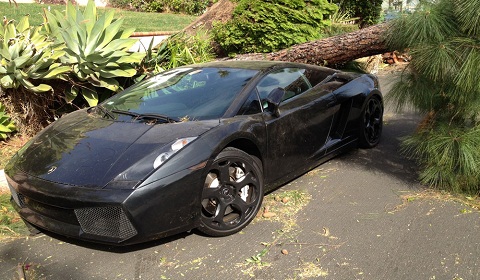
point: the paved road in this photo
(356, 225)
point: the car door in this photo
(297, 137)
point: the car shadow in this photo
(121, 249)
(387, 157)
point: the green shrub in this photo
(121, 4)
(174, 6)
(6, 124)
(340, 28)
(178, 50)
(341, 23)
(368, 11)
(183, 49)
(266, 26)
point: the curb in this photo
(3, 181)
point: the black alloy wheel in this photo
(372, 123)
(232, 193)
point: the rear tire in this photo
(371, 123)
(232, 193)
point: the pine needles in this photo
(449, 157)
(442, 82)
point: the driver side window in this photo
(292, 80)
(251, 105)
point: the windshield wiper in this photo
(147, 116)
(105, 111)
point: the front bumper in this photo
(101, 218)
(109, 216)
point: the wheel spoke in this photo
(247, 180)
(244, 206)
(217, 218)
(220, 213)
(211, 193)
(224, 172)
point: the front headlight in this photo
(175, 147)
(138, 171)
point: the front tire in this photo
(371, 123)
(232, 193)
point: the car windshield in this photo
(183, 93)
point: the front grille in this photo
(108, 221)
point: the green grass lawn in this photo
(11, 225)
(142, 22)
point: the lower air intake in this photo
(105, 221)
(17, 197)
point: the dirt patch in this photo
(9, 148)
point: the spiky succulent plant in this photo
(96, 49)
(27, 55)
(6, 124)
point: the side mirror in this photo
(273, 100)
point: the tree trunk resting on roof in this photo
(328, 52)
(333, 50)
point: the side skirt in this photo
(293, 175)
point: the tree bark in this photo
(333, 50)
(327, 52)
(222, 11)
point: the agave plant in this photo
(96, 49)
(26, 55)
(6, 125)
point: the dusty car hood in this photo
(86, 150)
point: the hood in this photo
(84, 149)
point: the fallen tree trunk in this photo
(329, 51)
(333, 50)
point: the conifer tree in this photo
(442, 82)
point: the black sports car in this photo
(193, 147)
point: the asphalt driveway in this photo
(361, 219)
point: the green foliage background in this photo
(265, 26)
(174, 6)
(368, 11)
(442, 83)
(178, 50)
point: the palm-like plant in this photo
(443, 38)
